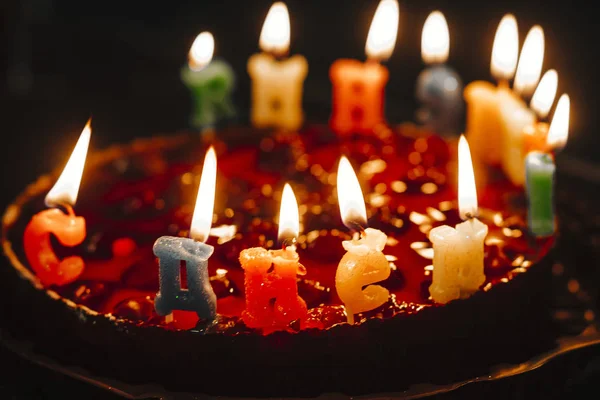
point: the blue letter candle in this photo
(210, 82)
(199, 295)
(539, 175)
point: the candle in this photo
(484, 125)
(68, 228)
(358, 88)
(364, 263)
(458, 252)
(210, 83)
(515, 115)
(540, 169)
(271, 288)
(439, 87)
(277, 81)
(199, 295)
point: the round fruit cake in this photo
(105, 321)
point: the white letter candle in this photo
(364, 263)
(210, 83)
(458, 269)
(439, 88)
(484, 121)
(277, 81)
(540, 169)
(199, 295)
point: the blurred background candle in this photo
(272, 300)
(439, 88)
(540, 171)
(68, 228)
(484, 125)
(359, 88)
(210, 83)
(199, 295)
(364, 263)
(458, 269)
(277, 81)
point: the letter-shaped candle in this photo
(358, 88)
(210, 82)
(199, 295)
(364, 263)
(277, 81)
(458, 252)
(67, 228)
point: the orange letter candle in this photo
(271, 289)
(66, 227)
(358, 88)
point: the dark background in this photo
(119, 61)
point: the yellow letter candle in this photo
(484, 124)
(458, 252)
(277, 82)
(364, 263)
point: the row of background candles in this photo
(501, 127)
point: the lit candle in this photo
(199, 295)
(210, 83)
(271, 288)
(458, 252)
(540, 169)
(364, 263)
(439, 88)
(68, 228)
(484, 124)
(358, 88)
(277, 81)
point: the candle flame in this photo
(289, 218)
(275, 34)
(530, 61)
(505, 51)
(66, 188)
(544, 95)
(201, 52)
(384, 30)
(467, 191)
(205, 201)
(350, 196)
(435, 42)
(559, 127)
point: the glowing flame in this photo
(384, 30)
(506, 49)
(435, 42)
(559, 127)
(467, 192)
(289, 218)
(66, 188)
(530, 62)
(350, 197)
(201, 52)
(275, 34)
(544, 95)
(205, 202)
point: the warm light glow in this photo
(205, 202)
(275, 34)
(66, 188)
(350, 197)
(530, 61)
(201, 52)
(435, 42)
(384, 30)
(559, 127)
(467, 192)
(289, 218)
(544, 95)
(506, 49)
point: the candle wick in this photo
(68, 208)
(288, 242)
